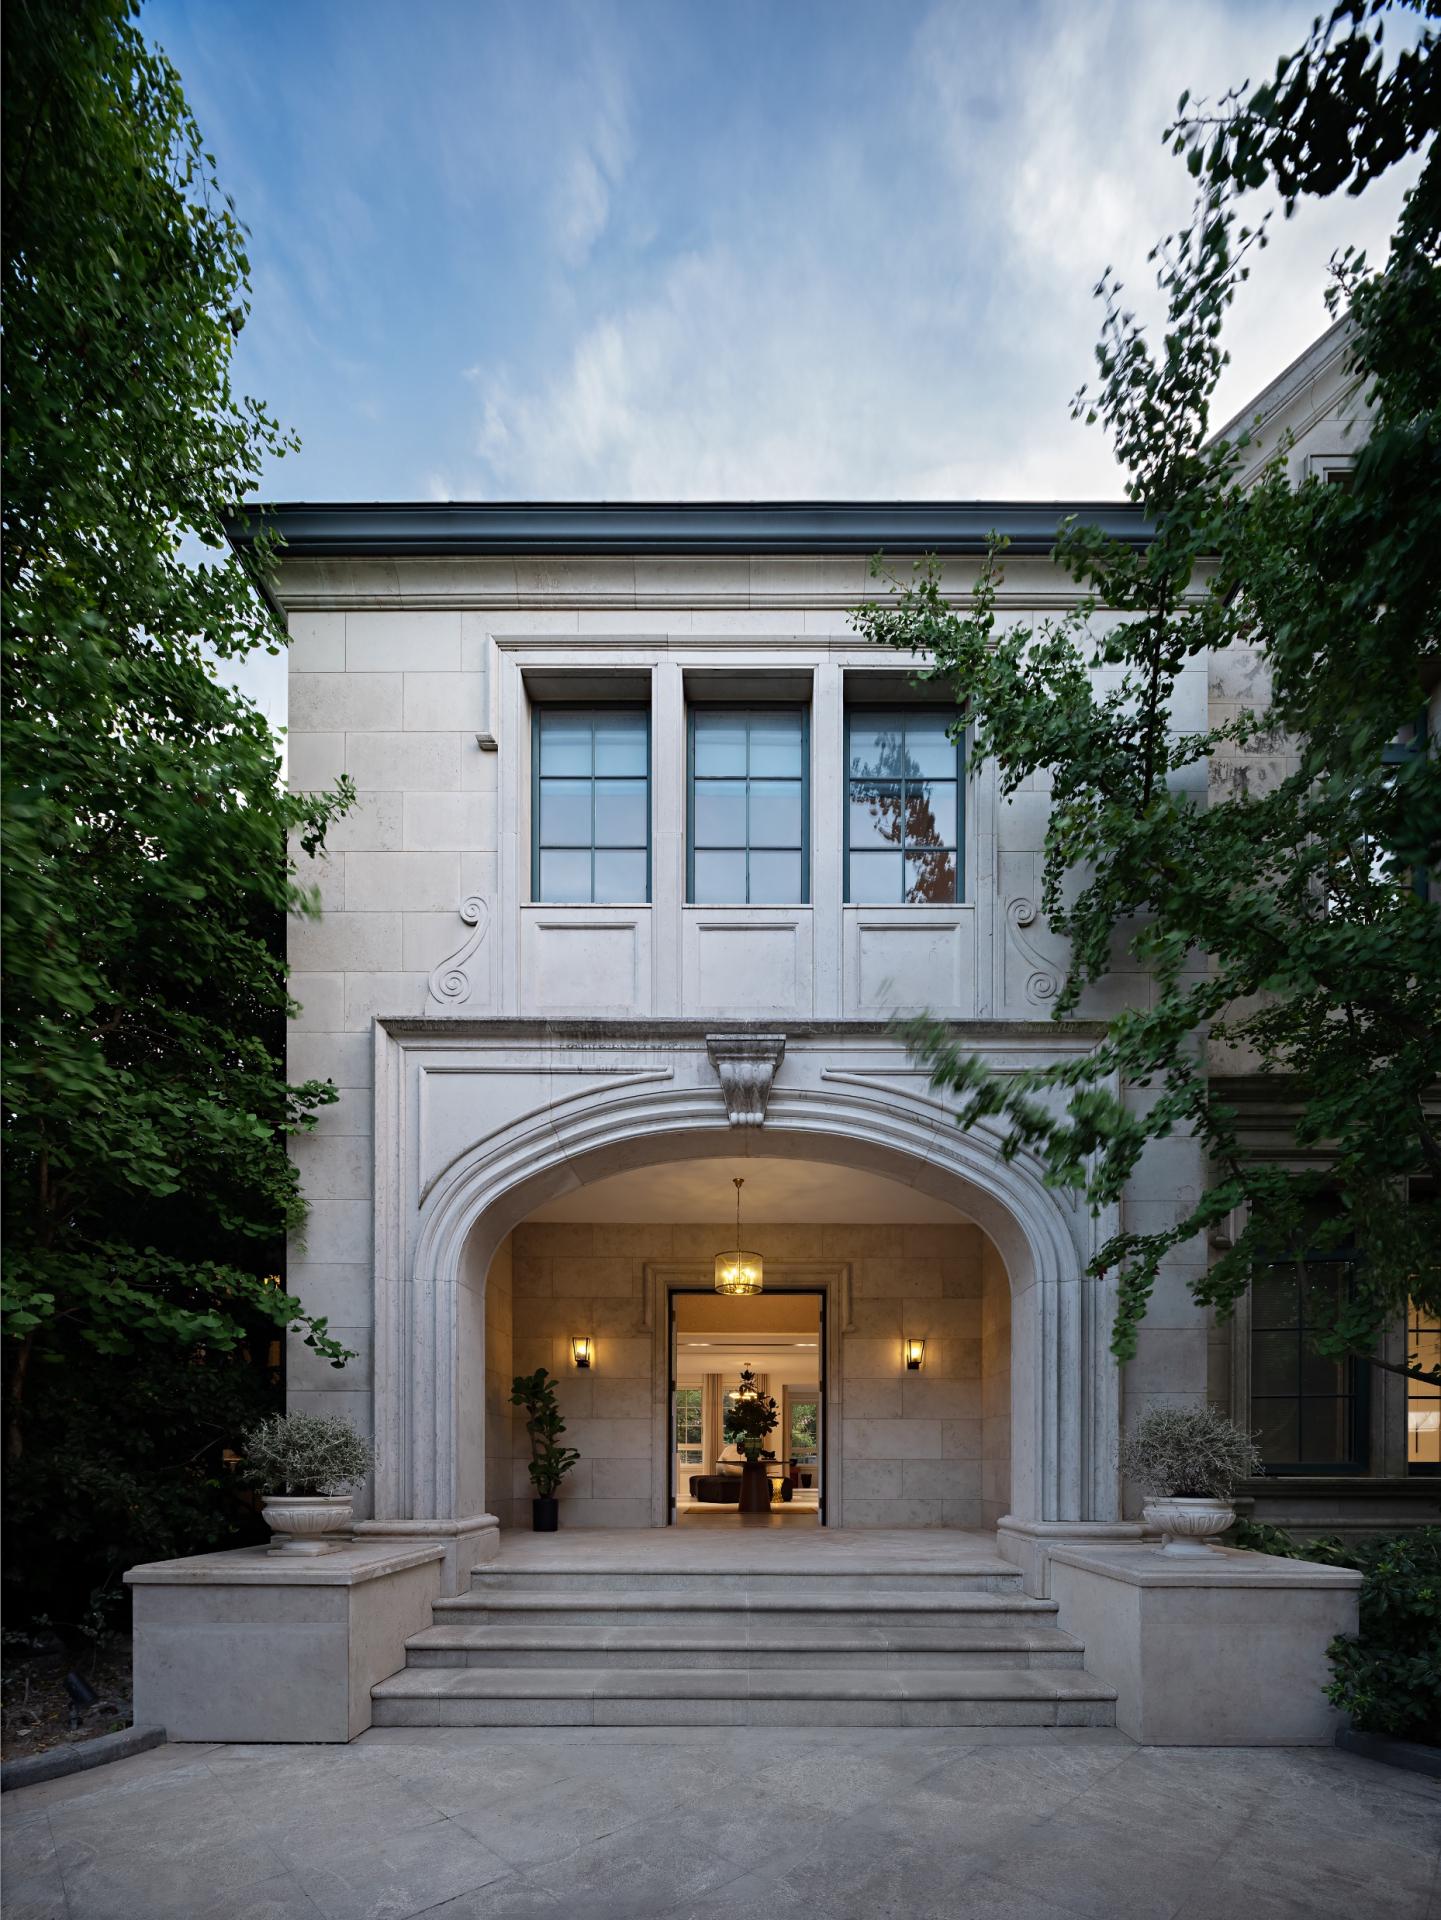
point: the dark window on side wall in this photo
(590, 806)
(1309, 1414)
(904, 801)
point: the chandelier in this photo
(739, 1272)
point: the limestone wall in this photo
(913, 1446)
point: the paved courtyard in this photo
(830, 1824)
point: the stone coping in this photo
(424, 1529)
(348, 1566)
(1140, 1566)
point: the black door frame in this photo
(817, 1293)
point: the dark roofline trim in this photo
(361, 529)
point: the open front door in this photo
(672, 1514)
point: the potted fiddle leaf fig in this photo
(306, 1466)
(1189, 1459)
(549, 1462)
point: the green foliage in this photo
(314, 1453)
(1195, 1453)
(549, 1463)
(748, 1422)
(1287, 929)
(146, 879)
(1388, 1674)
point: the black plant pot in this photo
(544, 1514)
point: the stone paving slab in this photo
(1003, 1823)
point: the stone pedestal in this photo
(255, 1646)
(1222, 1649)
(1029, 1544)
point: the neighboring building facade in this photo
(649, 848)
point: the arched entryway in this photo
(624, 1103)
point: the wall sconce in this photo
(580, 1349)
(915, 1351)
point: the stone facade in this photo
(491, 1049)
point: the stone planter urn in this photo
(1187, 1525)
(307, 1522)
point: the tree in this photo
(1313, 903)
(146, 875)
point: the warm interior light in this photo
(739, 1272)
(915, 1354)
(580, 1349)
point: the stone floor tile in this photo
(159, 1872)
(395, 1877)
(282, 1898)
(31, 1884)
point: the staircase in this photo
(670, 1629)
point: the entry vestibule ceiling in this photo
(779, 1191)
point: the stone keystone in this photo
(746, 1065)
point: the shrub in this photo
(307, 1453)
(1387, 1674)
(1192, 1453)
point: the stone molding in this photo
(450, 982)
(746, 1065)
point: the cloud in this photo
(906, 326)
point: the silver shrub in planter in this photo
(306, 1465)
(1190, 1459)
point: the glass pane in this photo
(1273, 1299)
(1273, 1362)
(877, 879)
(776, 746)
(565, 813)
(720, 813)
(620, 811)
(1321, 1376)
(1324, 1287)
(565, 743)
(620, 743)
(877, 745)
(1323, 1431)
(875, 815)
(931, 814)
(620, 875)
(930, 877)
(720, 744)
(775, 879)
(775, 813)
(564, 875)
(928, 751)
(1278, 1430)
(720, 879)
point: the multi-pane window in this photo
(688, 1426)
(748, 836)
(591, 804)
(1423, 1399)
(1308, 1412)
(803, 1440)
(903, 808)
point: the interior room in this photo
(769, 1346)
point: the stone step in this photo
(746, 1643)
(841, 1696)
(799, 1605)
(999, 1578)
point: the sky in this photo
(686, 249)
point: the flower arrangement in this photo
(750, 1417)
